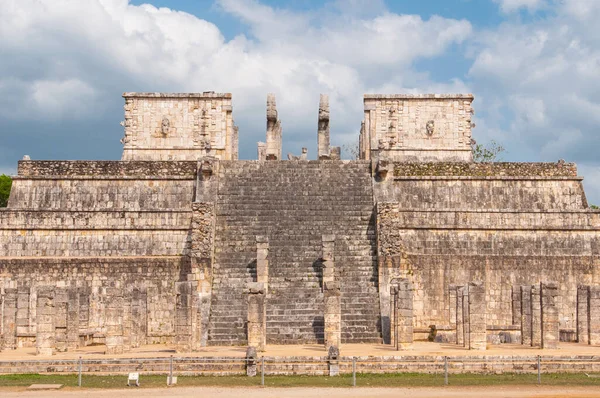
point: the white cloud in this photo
(509, 6)
(73, 57)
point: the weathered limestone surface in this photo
(172, 127)
(323, 142)
(583, 293)
(549, 322)
(274, 134)
(417, 127)
(45, 321)
(526, 320)
(477, 316)
(460, 320)
(403, 314)
(594, 315)
(257, 318)
(295, 203)
(536, 316)
(160, 248)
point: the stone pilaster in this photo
(114, 321)
(127, 297)
(327, 257)
(72, 321)
(452, 306)
(516, 305)
(23, 315)
(550, 323)
(404, 315)
(460, 321)
(9, 320)
(61, 302)
(257, 316)
(45, 316)
(477, 316)
(526, 315)
(185, 315)
(262, 261)
(583, 293)
(333, 314)
(138, 317)
(466, 318)
(594, 315)
(536, 316)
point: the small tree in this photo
(351, 150)
(487, 153)
(5, 185)
(594, 207)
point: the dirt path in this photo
(255, 392)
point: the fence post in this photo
(171, 370)
(79, 372)
(446, 370)
(539, 367)
(353, 371)
(262, 372)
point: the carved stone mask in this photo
(166, 124)
(430, 127)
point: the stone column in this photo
(45, 316)
(526, 315)
(550, 324)
(257, 316)
(460, 322)
(127, 297)
(466, 318)
(582, 314)
(323, 129)
(333, 358)
(72, 321)
(262, 261)
(393, 313)
(114, 321)
(138, 317)
(185, 314)
(333, 314)
(251, 361)
(60, 319)
(273, 145)
(594, 316)
(262, 151)
(9, 320)
(452, 306)
(477, 316)
(327, 257)
(404, 315)
(536, 316)
(516, 305)
(332, 294)
(23, 316)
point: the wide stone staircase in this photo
(294, 203)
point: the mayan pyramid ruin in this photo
(181, 243)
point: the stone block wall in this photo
(423, 127)
(146, 287)
(161, 126)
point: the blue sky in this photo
(533, 66)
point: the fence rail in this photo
(271, 366)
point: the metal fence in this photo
(442, 366)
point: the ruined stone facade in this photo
(181, 243)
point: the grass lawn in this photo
(364, 380)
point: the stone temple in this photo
(181, 243)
